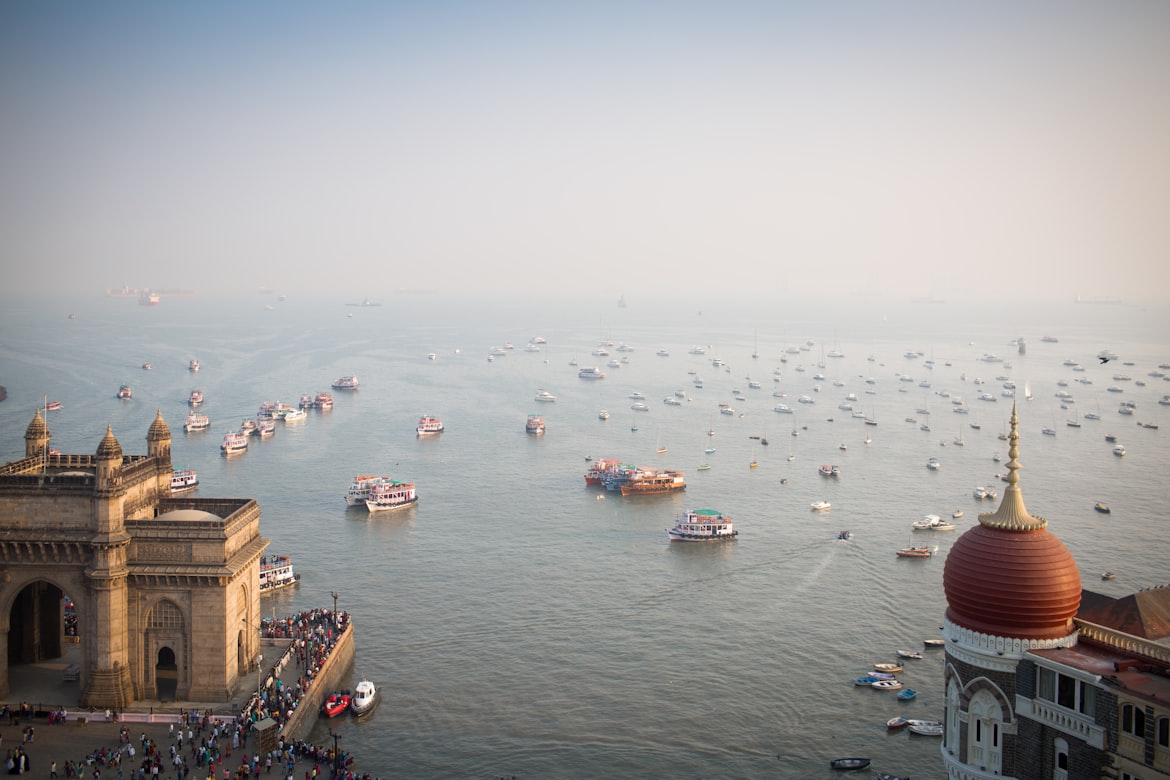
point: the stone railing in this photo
(1062, 719)
(1128, 643)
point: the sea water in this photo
(521, 623)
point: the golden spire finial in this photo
(1012, 515)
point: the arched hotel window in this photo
(1133, 721)
(951, 737)
(983, 732)
(1164, 732)
(1060, 759)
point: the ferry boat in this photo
(276, 572)
(196, 422)
(593, 372)
(193, 366)
(359, 489)
(124, 391)
(183, 480)
(545, 396)
(52, 406)
(248, 426)
(346, 383)
(293, 415)
(702, 525)
(390, 494)
(647, 482)
(306, 401)
(233, 442)
(535, 425)
(429, 425)
(265, 427)
(196, 398)
(323, 400)
(601, 470)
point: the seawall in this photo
(334, 674)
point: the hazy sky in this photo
(651, 148)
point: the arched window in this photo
(1133, 721)
(983, 732)
(165, 615)
(951, 736)
(1164, 732)
(1060, 759)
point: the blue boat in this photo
(907, 694)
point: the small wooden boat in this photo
(849, 763)
(1102, 508)
(1107, 575)
(887, 685)
(934, 642)
(909, 654)
(907, 694)
(888, 776)
(866, 681)
(889, 668)
(897, 722)
(925, 729)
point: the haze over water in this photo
(518, 624)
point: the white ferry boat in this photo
(294, 415)
(702, 525)
(359, 489)
(306, 401)
(265, 427)
(545, 396)
(534, 425)
(390, 494)
(233, 442)
(183, 480)
(193, 366)
(429, 425)
(125, 392)
(346, 383)
(196, 398)
(276, 572)
(323, 400)
(592, 372)
(196, 422)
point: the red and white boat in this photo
(602, 469)
(196, 398)
(236, 441)
(323, 400)
(535, 425)
(196, 422)
(702, 525)
(124, 391)
(183, 480)
(390, 494)
(359, 489)
(335, 704)
(429, 425)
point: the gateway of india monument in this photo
(166, 590)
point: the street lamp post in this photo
(336, 755)
(336, 596)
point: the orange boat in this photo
(336, 704)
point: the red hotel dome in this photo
(1009, 576)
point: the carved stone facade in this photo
(166, 590)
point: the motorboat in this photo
(914, 552)
(335, 704)
(603, 415)
(932, 523)
(818, 506)
(638, 406)
(544, 396)
(276, 572)
(592, 372)
(196, 422)
(702, 525)
(183, 480)
(365, 698)
(193, 366)
(125, 392)
(429, 425)
(933, 464)
(390, 494)
(1119, 450)
(1102, 508)
(849, 763)
(925, 728)
(196, 398)
(346, 383)
(294, 415)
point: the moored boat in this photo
(702, 525)
(887, 685)
(293, 415)
(183, 480)
(534, 425)
(193, 366)
(646, 482)
(390, 494)
(591, 372)
(124, 392)
(916, 654)
(196, 422)
(849, 763)
(196, 398)
(914, 552)
(365, 697)
(346, 383)
(276, 572)
(335, 704)
(817, 506)
(1102, 508)
(601, 469)
(544, 396)
(233, 442)
(359, 489)
(429, 425)
(925, 728)
(323, 400)
(265, 427)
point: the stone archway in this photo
(36, 624)
(166, 675)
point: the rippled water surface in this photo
(521, 623)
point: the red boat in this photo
(336, 704)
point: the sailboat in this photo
(755, 345)
(959, 439)
(753, 464)
(660, 449)
(1027, 391)
(711, 427)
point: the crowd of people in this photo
(201, 745)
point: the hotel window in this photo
(1066, 691)
(1133, 721)
(1088, 700)
(1060, 771)
(1128, 776)
(1164, 732)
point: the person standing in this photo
(52, 770)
